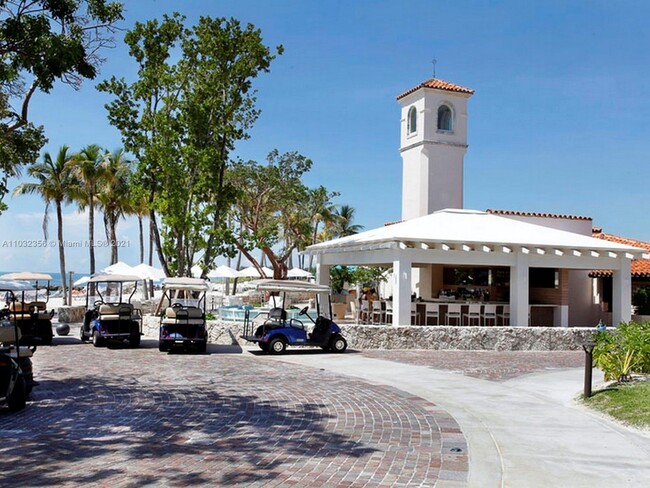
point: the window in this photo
(412, 121)
(444, 118)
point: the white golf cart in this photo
(16, 377)
(111, 314)
(182, 325)
(29, 308)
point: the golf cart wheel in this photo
(263, 346)
(82, 336)
(162, 347)
(338, 344)
(17, 399)
(97, 339)
(277, 346)
(202, 346)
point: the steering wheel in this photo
(304, 310)
(177, 305)
(98, 304)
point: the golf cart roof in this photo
(110, 278)
(15, 285)
(290, 286)
(192, 284)
(26, 275)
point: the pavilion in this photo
(469, 237)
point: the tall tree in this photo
(42, 41)
(273, 210)
(55, 183)
(182, 120)
(113, 195)
(87, 167)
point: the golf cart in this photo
(16, 377)
(279, 330)
(182, 325)
(30, 311)
(110, 314)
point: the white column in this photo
(323, 278)
(622, 293)
(401, 292)
(519, 291)
(323, 274)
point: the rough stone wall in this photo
(429, 337)
(71, 315)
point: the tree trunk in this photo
(114, 250)
(156, 234)
(91, 231)
(151, 241)
(141, 235)
(59, 221)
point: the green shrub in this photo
(624, 351)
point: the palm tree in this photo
(322, 210)
(342, 225)
(55, 183)
(86, 166)
(113, 194)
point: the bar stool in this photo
(453, 312)
(432, 311)
(415, 317)
(377, 313)
(505, 315)
(473, 313)
(490, 313)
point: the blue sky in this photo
(558, 123)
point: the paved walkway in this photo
(137, 417)
(523, 432)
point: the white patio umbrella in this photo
(223, 271)
(119, 268)
(299, 273)
(81, 281)
(147, 272)
(251, 272)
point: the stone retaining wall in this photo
(424, 337)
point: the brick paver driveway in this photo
(138, 417)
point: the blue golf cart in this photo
(283, 327)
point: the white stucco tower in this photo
(433, 143)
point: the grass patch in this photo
(629, 403)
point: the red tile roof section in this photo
(536, 214)
(640, 267)
(438, 85)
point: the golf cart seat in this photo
(277, 314)
(119, 311)
(321, 330)
(185, 315)
(8, 334)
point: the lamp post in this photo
(588, 347)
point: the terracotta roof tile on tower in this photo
(536, 214)
(640, 267)
(438, 85)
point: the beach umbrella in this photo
(147, 272)
(299, 273)
(119, 268)
(223, 271)
(251, 272)
(81, 281)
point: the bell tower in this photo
(433, 143)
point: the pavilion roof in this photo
(476, 230)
